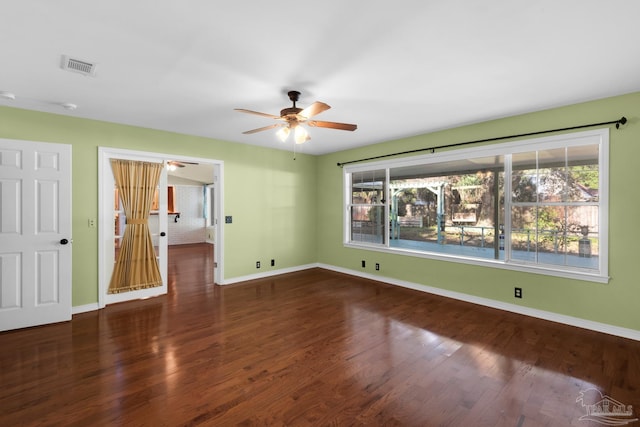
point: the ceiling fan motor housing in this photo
(290, 113)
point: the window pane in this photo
(523, 233)
(449, 207)
(583, 245)
(367, 187)
(524, 177)
(552, 175)
(367, 224)
(552, 230)
(556, 235)
(583, 173)
(539, 234)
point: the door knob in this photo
(64, 241)
(163, 234)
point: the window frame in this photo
(598, 137)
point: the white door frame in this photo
(106, 230)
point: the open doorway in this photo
(189, 204)
(192, 222)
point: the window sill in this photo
(491, 263)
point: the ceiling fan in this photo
(173, 164)
(294, 116)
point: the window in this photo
(537, 205)
(555, 207)
(366, 207)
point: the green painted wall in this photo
(616, 303)
(269, 195)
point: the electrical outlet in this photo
(377, 267)
(257, 264)
(363, 264)
(273, 263)
(92, 222)
(517, 292)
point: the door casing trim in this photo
(110, 152)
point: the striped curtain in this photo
(136, 265)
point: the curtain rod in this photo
(618, 122)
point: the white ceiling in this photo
(395, 69)
(197, 173)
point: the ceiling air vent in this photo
(78, 66)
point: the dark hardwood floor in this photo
(307, 348)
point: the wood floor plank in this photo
(307, 348)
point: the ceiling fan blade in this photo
(262, 128)
(313, 109)
(257, 113)
(332, 125)
(181, 162)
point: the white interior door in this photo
(35, 233)
(112, 228)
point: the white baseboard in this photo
(84, 308)
(267, 274)
(527, 311)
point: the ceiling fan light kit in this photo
(283, 133)
(294, 116)
(301, 135)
